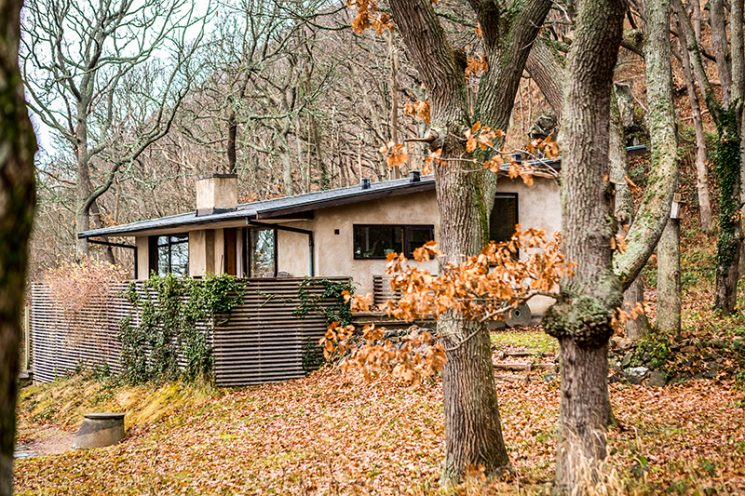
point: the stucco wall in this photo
(538, 206)
(143, 267)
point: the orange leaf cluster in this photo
(432, 159)
(545, 148)
(419, 109)
(621, 316)
(487, 140)
(369, 16)
(481, 137)
(483, 287)
(395, 154)
(476, 66)
(410, 357)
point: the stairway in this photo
(515, 365)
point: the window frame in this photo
(405, 240)
(156, 245)
(514, 196)
(248, 255)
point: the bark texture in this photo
(668, 279)
(729, 152)
(465, 193)
(636, 328)
(654, 211)
(581, 320)
(546, 67)
(17, 200)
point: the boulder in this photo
(635, 375)
(657, 378)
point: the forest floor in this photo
(333, 433)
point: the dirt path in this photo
(48, 440)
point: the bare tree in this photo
(727, 115)
(108, 77)
(17, 204)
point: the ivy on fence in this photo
(340, 312)
(171, 310)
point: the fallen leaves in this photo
(336, 434)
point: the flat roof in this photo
(269, 209)
(297, 204)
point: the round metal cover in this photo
(519, 317)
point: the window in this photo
(170, 254)
(374, 242)
(261, 248)
(503, 217)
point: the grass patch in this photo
(530, 339)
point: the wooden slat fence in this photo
(382, 291)
(263, 340)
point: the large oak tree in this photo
(465, 195)
(17, 201)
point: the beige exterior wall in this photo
(538, 206)
(293, 254)
(143, 266)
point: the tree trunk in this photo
(585, 410)
(393, 86)
(473, 435)
(718, 24)
(727, 160)
(232, 142)
(17, 202)
(668, 279)
(83, 214)
(636, 328)
(581, 320)
(473, 428)
(702, 180)
(545, 66)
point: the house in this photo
(340, 232)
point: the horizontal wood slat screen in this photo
(382, 291)
(263, 340)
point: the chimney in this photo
(365, 184)
(415, 176)
(217, 193)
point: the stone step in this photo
(522, 366)
(512, 377)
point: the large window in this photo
(170, 254)
(261, 252)
(503, 217)
(372, 242)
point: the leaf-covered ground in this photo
(334, 434)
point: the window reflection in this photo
(263, 253)
(173, 255)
